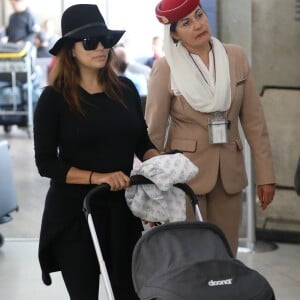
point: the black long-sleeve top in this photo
(104, 140)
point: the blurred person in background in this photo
(42, 45)
(120, 64)
(48, 29)
(157, 48)
(22, 25)
(133, 53)
(45, 38)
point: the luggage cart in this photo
(16, 103)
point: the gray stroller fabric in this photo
(192, 261)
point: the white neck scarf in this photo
(187, 76)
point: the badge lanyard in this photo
(218, 123)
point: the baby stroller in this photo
(185, 261)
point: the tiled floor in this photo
(19, 270)
(20, 274)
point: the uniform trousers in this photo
(222, 209)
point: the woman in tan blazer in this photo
(198, 93)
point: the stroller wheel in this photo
(7, 128)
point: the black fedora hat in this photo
(82, 21)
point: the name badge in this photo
(218, 128)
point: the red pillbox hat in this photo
(169, 11)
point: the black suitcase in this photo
(8, 201)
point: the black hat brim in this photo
(112, 37)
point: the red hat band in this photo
(169, 11)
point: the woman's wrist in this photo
(96, 178)
(91, 177)
(150, 153)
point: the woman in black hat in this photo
(88, 125)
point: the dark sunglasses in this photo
(92, 43)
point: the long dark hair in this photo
(65, 78)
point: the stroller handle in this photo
(134, 180)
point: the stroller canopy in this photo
(192, 261)
(168, 251)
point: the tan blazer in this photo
(188, 128)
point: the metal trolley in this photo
(16, 103)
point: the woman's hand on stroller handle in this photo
(105, 186)
(116, 180)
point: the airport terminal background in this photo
(269, 31)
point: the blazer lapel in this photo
(232, 72)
